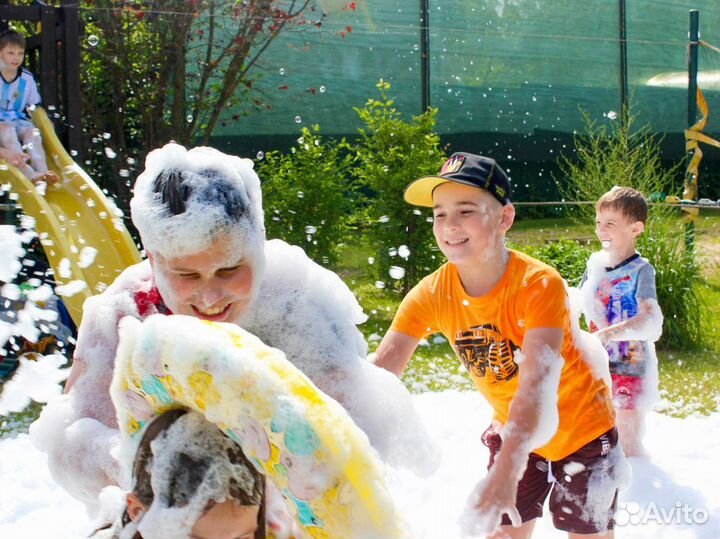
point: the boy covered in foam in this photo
(199, 214)
(620, 305)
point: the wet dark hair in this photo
(11, 37)
(216, 190)
(188, 474)
(188, 470)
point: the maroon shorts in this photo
(626, 390)
(582, 486)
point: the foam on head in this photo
(187, 198)
(192, 464)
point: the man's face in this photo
(468, 223)
(12, 56)
(211, 284)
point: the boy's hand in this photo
(531, 423)
(16, 159)
(646, 325)
(492, 498)
(603, 335)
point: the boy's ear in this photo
(637, 228)
(507, 217)
(135, 508)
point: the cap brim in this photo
(419, 192)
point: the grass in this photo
(688, 379)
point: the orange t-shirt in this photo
(485, 331)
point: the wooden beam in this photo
(48, 57)
(19, 13)
(73, 89)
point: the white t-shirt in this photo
(17, 95)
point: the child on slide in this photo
(189, 480)
(620, 305)
(199, 214)
(18, 93)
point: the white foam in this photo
(536, 399)
(590, 347)
(11, 247)
(310, 314)
(86, 413)
(212, 176)
(37, 379)
(200, 440)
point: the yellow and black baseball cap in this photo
(465, 168)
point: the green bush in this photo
(389, 154)
(676, 276)
(569, 257)
(610, 155)
(307, 197)
(618, 154)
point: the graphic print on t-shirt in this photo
(483, 347)
(617, 294)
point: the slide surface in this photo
(80, 228)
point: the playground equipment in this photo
(80, 229)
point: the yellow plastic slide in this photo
(80, 229)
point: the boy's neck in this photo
(616, 257)
(480, 278)
(9, 73)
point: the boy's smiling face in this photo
(617, 232)
(469, 224)
(12, 56)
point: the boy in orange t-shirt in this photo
(507, 317)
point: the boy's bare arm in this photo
(646, 325)
(77, 369)
(81, 428)
(532, 422)
(395, 351)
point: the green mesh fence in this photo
(511, 78)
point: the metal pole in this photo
(425, 54)
(622, 26)
(693, 38)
